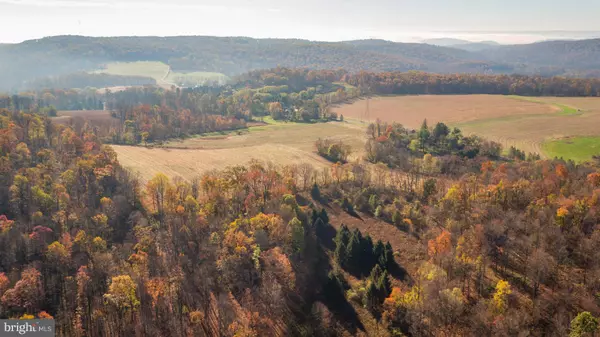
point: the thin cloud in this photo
(55, 3)
(113, 4)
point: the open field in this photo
(155, 70)
(279, 143)
(162, 73)
(525, 122)
(63, 117)
(195, 78)
(577, 148)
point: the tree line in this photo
(416, 83)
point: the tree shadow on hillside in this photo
(398, 272)
(355, 215)
(345, 314)
(326, 235)
(332, 292)
(302, 201)
(333, 296)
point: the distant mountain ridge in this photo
(63, 55)
(450, 42)
(472, 46)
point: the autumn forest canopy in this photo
(422, 232)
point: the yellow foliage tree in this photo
(122, 293)
(500, 300)
(156, 189)
(58, 253)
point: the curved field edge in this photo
(563, 109)
(579, 149)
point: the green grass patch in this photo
(271, 121)
(160, 72)
(576, 148)
(565, 110)
(568, 110)
(196, 78)
(156, 70)
(479, 123)
(345, 85)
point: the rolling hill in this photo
(580, 57)
(63, 55)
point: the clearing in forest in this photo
(281, 144)
(525, 122)
(96, 116)
(163, 74)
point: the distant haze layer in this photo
(505, 21)
(506, 37)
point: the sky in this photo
(506, 21)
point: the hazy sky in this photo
(328, 20)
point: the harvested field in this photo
(281, 144)
(63, 117)
(451, 109)
(524, 122)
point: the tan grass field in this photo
(513, 121)
(63, 117)
(280, 144)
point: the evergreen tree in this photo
(367, 260)
(378, 252)
(347, 206)
(315, 192)
(343, 235)
(324, 216)
(389, 256)
(314, 215)
(376, 273)
(341, 242)
(424, 134)
(384, 286)
(354, 250)
(334, 287)
(319, 228)
(371, 297)
(440, 131)
(340, 254)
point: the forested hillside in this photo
(61, 55)
(479, 244)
